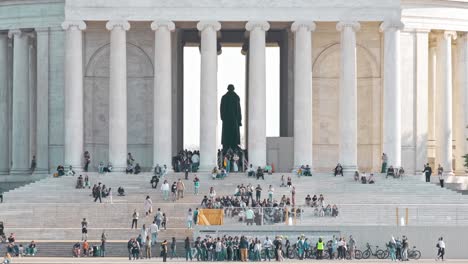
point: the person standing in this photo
(293, 196)
(173, 248)
(87, 160)
(271, 190)
(103, 244)
(186, 173)
(320, 247)
(258, 192)
(98, 193)
(188, 249)
(84, 229)
(189, 218)
(165, 190)
(392, 249)
(267, 244)
(441, 180)
(351, 246)
(148, 247)
(427, 172)
(384, 163)
(135, 219)
(180, 189)
(174, 191)
(441, 249)
(243, 246)
(405, 246)
(154, 229)
(195, 216)
(148, 205)
(164, 250)
(196, 185)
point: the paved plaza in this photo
(159, 260)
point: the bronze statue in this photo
(231, 116)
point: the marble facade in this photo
(413, 126)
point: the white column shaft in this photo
(257, 98)
(20, 132)
(462, 45)
(42, 134)
(73, 97)
(444, 65)
(348, 100)
(162, 140)
(392, 95)
(303, 152)
(4, 120)
(118, 99)
(208, 99)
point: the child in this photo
(7, 258)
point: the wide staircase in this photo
(50, 211)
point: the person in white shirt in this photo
(267, 245)
(148, 205)
(154, 229)
(250, 171)
(441, 249)
(165, 188)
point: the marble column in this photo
(392, 93)
(445, 87)
(432, 112)
(462, 67)
(42, 101)
(208, 94)
(4, 109)
(118, 94)
(73, 93)
(32, 95)
(162, 124)
(303, 152)
(20, 104)
(257, 93)
(348, 96)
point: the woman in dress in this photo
(148, 205)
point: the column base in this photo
(40, 171)
(4, 172)
(449, 173)
(349, 169)
(206, 168)
(18, 171)
(119, 168)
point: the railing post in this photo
(397, 217)
(406, 218)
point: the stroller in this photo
(2, 233)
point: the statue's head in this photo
(230, 87)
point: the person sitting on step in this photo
(250, 171)
(70, 171)
(129, 168)
(108, 168)
(390, 172)
(79, 182)
(338, 170)
(356, 176)
(363, 178)
(401, 173)
(307, 171)
(101, 167)
(260, 173)
(268, 169)
(371, 179)
(121, 191)
(137, 169)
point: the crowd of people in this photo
(14, 249)
(186, 160)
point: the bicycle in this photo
(414, 253)
(271, 253)
(379, 253)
